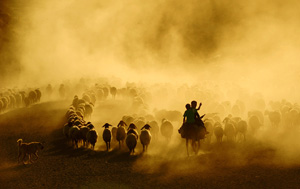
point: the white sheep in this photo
(91, 138)
(145, 137)
(107, 135)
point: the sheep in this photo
(209, 123)
(93, 97)
(75, 101)
(121, 133)
(218, 131)
(229, 131)
(90, 125)
(131, 138)
(106, 135)
(38, 95)
(32, 96)
(66, 129)
(241, 128)
(84, 130)
(19, 100)
(254, 123)
(49, 90)
(62, 91)
(88, 110)
(145, 137)
(92, 137)
(293, 117)
(114, 133)
(139, 122)
(131, 142)
(26, 101)
(12, 101)
(257, 113)
(100, 94)
(105, 92)
(75, 135)
(166, 129)
(133, 129)
(129, 120)
(154, 128)
(274, 117)
(5, 103)
(87, 98)
(113, 92)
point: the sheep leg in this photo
(109, 145)
(119, 145)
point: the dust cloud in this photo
(235, 49)
(253, 43)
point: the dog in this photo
(29, 149)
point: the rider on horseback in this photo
(191, 119)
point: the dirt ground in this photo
(245, 165)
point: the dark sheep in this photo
(38, 95)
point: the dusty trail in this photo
(231, 166)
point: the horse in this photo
(194, 132)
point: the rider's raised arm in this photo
(199, 106)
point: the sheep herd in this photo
(155, 112)
(128, 131)
(232, 119)
(14, 98)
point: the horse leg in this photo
(194, 145)
(198, 146)
(187, 146)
